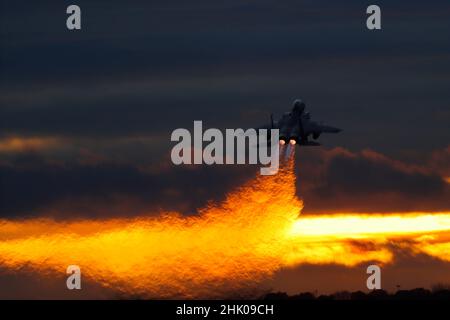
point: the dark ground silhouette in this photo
(414, 294)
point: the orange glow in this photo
(353, 235)
(361, 226)
(19, 144)
(292, 141)
(229, 246)
(282, 142)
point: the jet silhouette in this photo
(296, 127)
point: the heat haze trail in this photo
(228, 247)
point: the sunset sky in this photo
(86, 118)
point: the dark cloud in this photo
(150, 67)
(328, 181)
(26, 283)
(363, 174)
(367, 181)
(407, 272)
(33, 187)
(145, 69)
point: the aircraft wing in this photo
(325, 128)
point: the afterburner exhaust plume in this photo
(227, 248)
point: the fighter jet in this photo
(296, 126)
